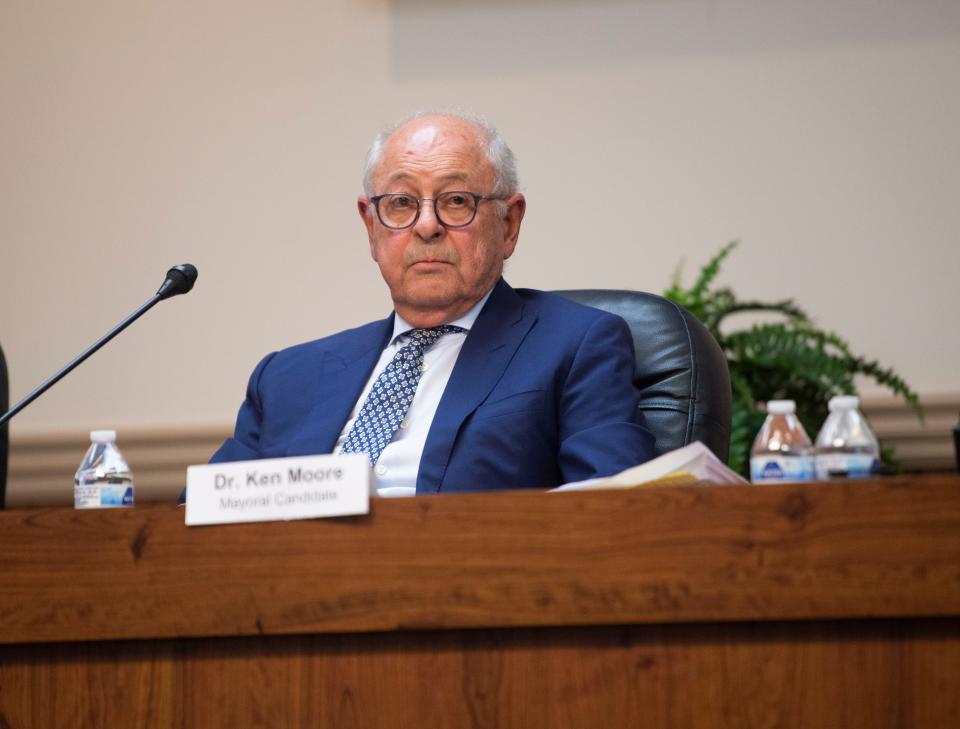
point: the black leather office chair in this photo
(681, 371)
(4, 442)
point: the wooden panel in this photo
(926, 446)
(89, 685)
(42, 465)
(852, 675)
(870, 549)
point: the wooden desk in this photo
(778, 606)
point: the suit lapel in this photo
(488, 349)
(341, 377)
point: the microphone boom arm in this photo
(179, 280)
(78, 360)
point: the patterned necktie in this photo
(391, 395)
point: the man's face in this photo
(435, 273)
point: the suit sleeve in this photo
(602, 431)
(245, 443)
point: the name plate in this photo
(278, 489)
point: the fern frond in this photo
(710, 271)
(788, 360)
(891, 380)
(698, 299)
(787, 307)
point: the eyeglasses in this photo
(454, 209)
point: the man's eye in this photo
(456, 201)
(400, 203)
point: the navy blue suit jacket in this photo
(541, 394)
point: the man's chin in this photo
(431, 298)
(437, 295)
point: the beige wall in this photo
(136, 135)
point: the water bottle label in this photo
(116, 495)
(846, 465)
(86, 497)
(102, 496)
(780, 469)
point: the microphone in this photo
(179, 280)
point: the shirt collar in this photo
(402, 326)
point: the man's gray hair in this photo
(495, 146)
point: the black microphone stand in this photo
(956, 444)
(179, 280)
(79, 360)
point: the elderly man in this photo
(468, 384)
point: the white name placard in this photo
(278, 489)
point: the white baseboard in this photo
(42, 465)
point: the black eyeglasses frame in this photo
(477, 199)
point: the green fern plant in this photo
(790, 359)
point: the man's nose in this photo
(428, 226)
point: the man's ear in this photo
(516, 207)
(367, 213)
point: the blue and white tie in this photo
(391, 395)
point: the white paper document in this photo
(691, 464)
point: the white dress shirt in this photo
(395, 473)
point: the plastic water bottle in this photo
(103, 480)
(846, 447)
(781, 451)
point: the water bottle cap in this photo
(781, 407)
(103, 436)
(844, 402)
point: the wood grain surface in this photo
(889, 674)
(824, 605)
(888, 548)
